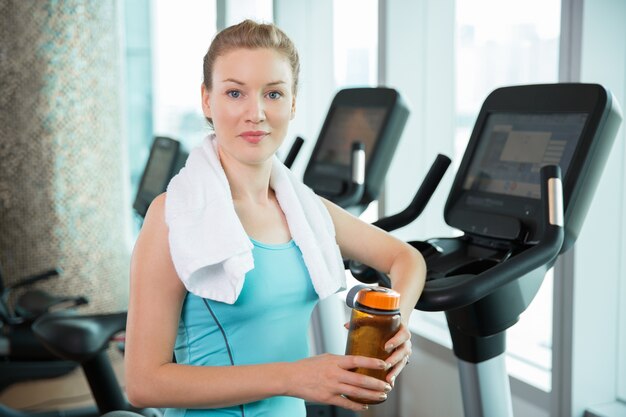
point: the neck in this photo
(248, 183)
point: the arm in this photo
(405, 266)
(153, 380)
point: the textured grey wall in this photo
(62, 175)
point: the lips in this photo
(253, 136)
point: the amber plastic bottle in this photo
(375, 319)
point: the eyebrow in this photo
(232, 80)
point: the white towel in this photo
(210, 249)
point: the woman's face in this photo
(251, 103)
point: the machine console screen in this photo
(348, 125)
(513, 147)
(158, 170)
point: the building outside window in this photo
(355, 31)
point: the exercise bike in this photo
(520, 197)
(22, 356)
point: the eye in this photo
(274, 95)
(233, 93)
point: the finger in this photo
(367, 382)
(398, 339)
(355, 361)
(347, 325)
(395, 371)
(403, 335)
(344, 402)
(358, 393)
(400, 353)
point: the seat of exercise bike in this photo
(78, 338)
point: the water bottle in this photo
(375, 319)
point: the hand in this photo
(327, 379)
(400, 348)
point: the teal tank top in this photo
(268, 323)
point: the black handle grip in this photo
(453, 292)
(296, 146)
(421, 198)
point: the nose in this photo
(256, 110)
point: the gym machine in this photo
(520, 197)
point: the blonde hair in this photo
(251, 35)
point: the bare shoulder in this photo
(154, 221)
(151, 255)
(156, 210)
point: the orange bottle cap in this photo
(380, 298)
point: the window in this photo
(259, 10)
(355, 30)
(138, 87)
(182, 32)
(520, 46)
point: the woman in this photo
(240, 307)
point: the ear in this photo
(293, 108)
(206, 101)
